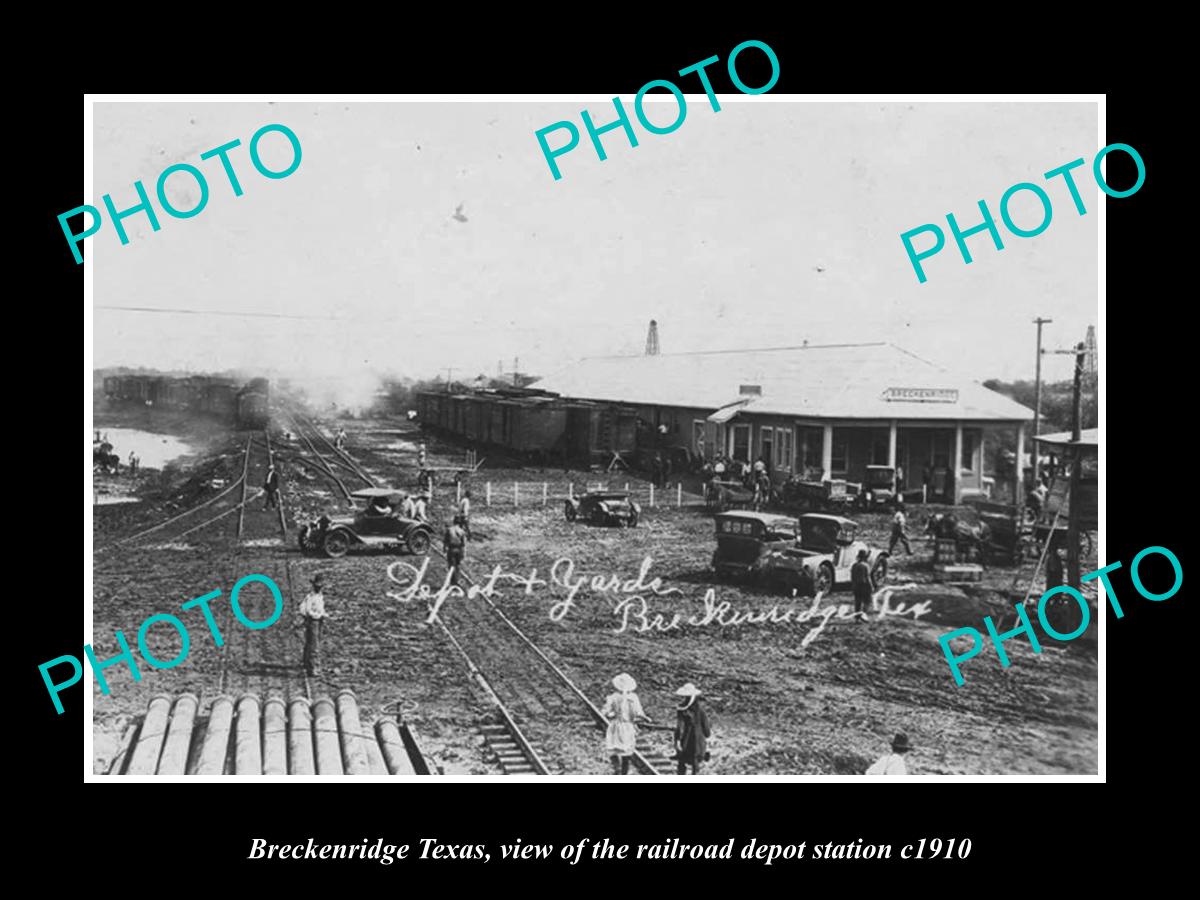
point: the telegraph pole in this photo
(1076, 465)
(1037, 401)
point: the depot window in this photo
(840, 458)
(968, 451)
(783, 448)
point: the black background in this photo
(1017, 829)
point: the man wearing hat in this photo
(860, 580)
(454, 545)
(899, 535)
(623, 710)
(312, 614)
(271, 486)
(691, 730)
(892, 763)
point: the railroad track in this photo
(523, 694)
(257, 652)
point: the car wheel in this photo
(825, 579)
(633, 520)
(879, 572)
(302, 539)
(418, 541)
(336, 544)
(570, 511)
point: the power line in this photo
(217, 312)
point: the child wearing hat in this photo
(892, 763)
(691, 730)
(623, 710)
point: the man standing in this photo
(892, 763)
(464, 512)
(454, 545)
(419, 507)
(408, 509)
(860, 580)
(898, 533)
(656, 470)
(271, 486)
(312, 614)
(339, 440)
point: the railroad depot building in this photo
(817, 411)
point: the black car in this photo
(377, 523)
(604, 508)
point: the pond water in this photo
(154, 450)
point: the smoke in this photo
(352, 392)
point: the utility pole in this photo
(1076, 465)
(449, 373)
(516, 369)
(1037, 401)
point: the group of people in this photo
(624, 712)
(660, 470)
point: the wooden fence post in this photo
(545, 492)
(651, 494)
(679, 494)
(488, 495)
(516, 487)
(458, 492)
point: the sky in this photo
(768, 223)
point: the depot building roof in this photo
(831, 381)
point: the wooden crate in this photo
(964, 573)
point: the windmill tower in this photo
(652, 339)
(1090, 362)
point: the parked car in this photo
(377, 523)
(759, 547)
(878, 487)
(603, 508)
(829, 546)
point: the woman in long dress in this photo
(623, 710)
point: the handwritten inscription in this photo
(631, 599)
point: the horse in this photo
(949, 527)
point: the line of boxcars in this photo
(533, 424)
(246, 405)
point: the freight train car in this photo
(253, 404)
(532, 423)
(219, 399)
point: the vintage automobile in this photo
(722, 495)
(377, 523)
(603, 508)
(755, 546)
(829, 546)
(810, 555)
(829, 494)
(878, 487)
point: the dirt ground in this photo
(816, 696)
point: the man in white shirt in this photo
(464, 512)
(892, 763)
(312, 614)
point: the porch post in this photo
(892, 428)
(827, 453)
(956, 466)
